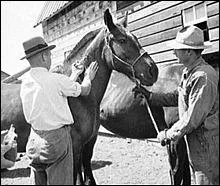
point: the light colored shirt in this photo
(198, 100)
(44, 98)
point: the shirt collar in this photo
(38, 69)
(197, 63)
(189, 69)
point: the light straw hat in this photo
(190, 37)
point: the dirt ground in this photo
(115, 161)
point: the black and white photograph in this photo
(109, 93)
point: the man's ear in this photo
(44, 56)
(190, 52)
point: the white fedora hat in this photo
(34, 46)
(190, 37)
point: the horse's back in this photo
(12, 113)
(10, 101)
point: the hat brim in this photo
(176, 45)
(40, 50)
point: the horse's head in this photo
(125, 54)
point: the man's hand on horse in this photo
(141, 91)
(91, 70)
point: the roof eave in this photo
(53, 14)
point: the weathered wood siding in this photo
(155, 23)
(68, 29)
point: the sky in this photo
(17, 21)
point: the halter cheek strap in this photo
(110, 56)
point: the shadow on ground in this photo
(25, 172)
(100, 164)
(15, 173)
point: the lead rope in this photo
(157, 130)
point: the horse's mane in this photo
(81, 46)
(77, 53)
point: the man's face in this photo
(182, 55)
(48, 58)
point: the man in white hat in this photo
(44, 100)
(197, 99)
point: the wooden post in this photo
(14, 77)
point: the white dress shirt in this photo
(44, 98)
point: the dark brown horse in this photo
(114, 48)
(123, 115)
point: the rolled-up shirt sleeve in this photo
(201, 99)
(69, 87)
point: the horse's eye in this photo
(122, 41)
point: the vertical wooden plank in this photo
(213, 21)
(214, 48)
(213, 9)
(214, 34)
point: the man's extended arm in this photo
(158, 99)
(169, 99)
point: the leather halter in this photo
(142, 51)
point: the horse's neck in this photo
(99, 84)
(93, 52)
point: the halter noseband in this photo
(124, 62)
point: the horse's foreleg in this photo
(86, 158)
(78, 168)
(77, 157)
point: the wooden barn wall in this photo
(155, 23)
(69, 28)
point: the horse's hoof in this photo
(90, 182)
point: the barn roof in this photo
(51, 8)
(4, 75)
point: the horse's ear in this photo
(124, 21)
(108, 20)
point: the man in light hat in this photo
(197, 99)
(44, 101)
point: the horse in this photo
(126, 116)
(114, 48)
(123, 115)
